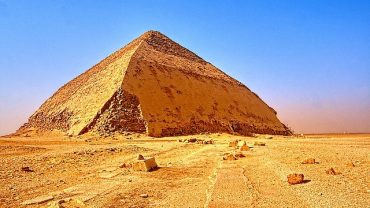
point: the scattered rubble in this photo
(295, 178)
(331, 171)
(207, 141)
(198, 141)
(192, 140)
(239, 144)
(68, 202)
(98, 151)
(350, 164)
(269, 137)
(126, 165)
(229, 156)
(233, 156)
(239, 155)
(244, 148)
(26, 169)
(140, 157)
(114, 149)
(90, 174)
(233, 144)
(144, 195)
(259, 144)
(309, 161)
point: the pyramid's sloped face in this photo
(181, 96)
(76, 104)
(155, 86)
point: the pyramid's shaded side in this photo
(155, 86)
(75, 105)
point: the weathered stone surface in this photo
(150, 86)
(38, 200)
(295, 178)
(73, 190)
(147, 164)
(120, 113)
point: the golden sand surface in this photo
(87, 171)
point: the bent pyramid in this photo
(154, 86)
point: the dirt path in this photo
(190, 175)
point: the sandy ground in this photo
(87, 171)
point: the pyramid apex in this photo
(162, 43)
(152, 34)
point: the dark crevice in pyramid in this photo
(120, 114)
(155, 86)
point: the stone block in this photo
(229, 156)
(147, 164)
(233, 144)
(331, 171)
(241, 143)
(295, 178)
(309, 161)
(244, 148)
(259, 144)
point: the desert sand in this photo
(88, 171)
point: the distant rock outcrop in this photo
(154, 86)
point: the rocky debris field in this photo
(217, 170)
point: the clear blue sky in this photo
(310, 60)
